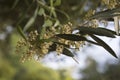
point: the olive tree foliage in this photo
(59, 25)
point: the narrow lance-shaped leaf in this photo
(106, 14)
(93, 42)
(31, 20)
(109, 31)
(57, 22)
(96, 31)
(62, 12)
(21, 32)
(115, 10)
(104, 45)
(69, 53)
(71, 37)
(74, 37)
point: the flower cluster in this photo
(91, 22)
(89, 14)
(27, 47)
(110, 3)
(35, 46)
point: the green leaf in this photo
(67, 52)
(31, 20)
(109, 30)
(106, 14)
(74, 37)
(57, 22)
(57, 3)
(54, 13)
(71, 37)
(47, 22)
(93, 42)
(21, 32)
(64, 13)
(41, 11)
(96, 31)
(115, 10)
(104, 45)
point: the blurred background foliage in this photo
(91, 72)
(19, 12)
